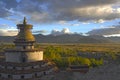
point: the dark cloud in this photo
(3, 10)
(78, 3)
(57, 10)
(5, 6)
(105, 31)
(29, 6)
(4, 13)
(84, 10)
(68, 10)
(10, 3)
(35, 9)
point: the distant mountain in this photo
(66, 38)
(71, 38)
(115, 39)
(7, 39)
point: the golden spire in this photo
(24, 21)
(25, 32)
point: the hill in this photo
(65, 38)
(115, 39)
(70, 38)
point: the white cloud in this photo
(98, 13)
(65, 31)
(113, 35)
(5, 32)
(58, 32)
(113, 30)
(85, 23)
(100, 21)
(67, 23)
(63, 22)
(75, 24)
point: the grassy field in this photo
(100, 47)
(115, 48)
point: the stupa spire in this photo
(24, 33)
(24, 21)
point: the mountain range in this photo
(66, 38)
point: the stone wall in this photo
(27, 72)
(24, 56)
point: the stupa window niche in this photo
(32, 67)
(44, 73)
(22, 77)
(23, 59)
(24, 47)
(35, 74)
(9, 76)
(14, 67)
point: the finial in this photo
(24, 21)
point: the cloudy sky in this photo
(101, 17)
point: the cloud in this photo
(3, 26)
(9, 3)
(63, 31)
(41, 17)
(113, 35)
(4, 32)
(6, 27)
(84, 10)
(100, 21)
(67, 23)
(5, 6)
(114, 30)
(63, 22)
(3, 10)
(98, 14)
(48, 11)
(40, 32)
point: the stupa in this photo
(24, 62)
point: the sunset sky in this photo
(94, 17)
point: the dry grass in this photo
(113, 48)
